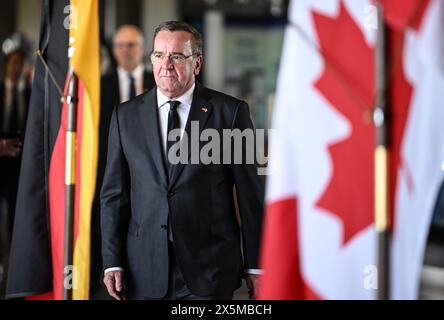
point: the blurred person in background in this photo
(15, 91)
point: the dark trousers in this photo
(178, 290)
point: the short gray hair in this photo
(131, 27)
(182, 26)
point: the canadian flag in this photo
(319, 239)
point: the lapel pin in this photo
(204, 109)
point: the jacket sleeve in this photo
(114, 199)
(249, 189)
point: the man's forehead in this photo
(127, 35)
(173, 38)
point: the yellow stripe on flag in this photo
(84, 38)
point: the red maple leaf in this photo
(402, 13)
(347, 82)
(399, 14)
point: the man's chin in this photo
(169, 91)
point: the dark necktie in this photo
(173, 123)
(132, 87)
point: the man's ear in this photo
(198, 65)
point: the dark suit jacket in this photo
(9, 173)
(109, 99)
(10, 167)
(26, 95)
(137, 199)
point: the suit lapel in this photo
(200, 111)
(148, 81)
(149, 122)
(116, 87)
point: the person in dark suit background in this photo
(15, 91)
(169, 231)
(129, 79)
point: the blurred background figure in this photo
(15, 90)
(128, 79)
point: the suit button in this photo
(170, 194)
(163, 226)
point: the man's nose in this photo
(166, 63)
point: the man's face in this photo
(174, 78)
(128, 48)
(14, 67)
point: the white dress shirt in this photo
(183, 111)
(124, 81)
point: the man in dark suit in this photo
(129, 79)
(169, 231)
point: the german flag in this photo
(37, 252)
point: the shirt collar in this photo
(186, 98)
(136, 73)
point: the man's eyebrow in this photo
(175, 52)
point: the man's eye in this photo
(158, 55)
(176, 57)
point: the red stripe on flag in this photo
(43, 296)
(57, 205)
(280, 258)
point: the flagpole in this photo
(70, 179)
(381, 156)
